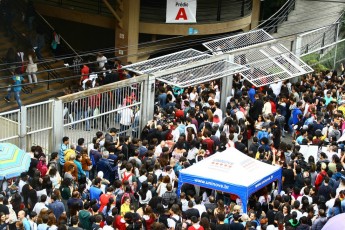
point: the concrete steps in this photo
(41, 91)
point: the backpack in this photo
(126, 177)
(42, 167)
(178, 223)
(228, 219)
(93, 161)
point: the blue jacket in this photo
(295, 113)
(57, 207)
(95, 193)
(107, 169)
(251, 94)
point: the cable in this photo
(79, 75)
(178, 44)
(108, 50)
(59, 68)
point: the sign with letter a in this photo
(181, 11)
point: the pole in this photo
(48, 81)
(219, 10)
(336, 45)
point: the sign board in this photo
(309, 150)
(181, 11)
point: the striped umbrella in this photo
(13, 161)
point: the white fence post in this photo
(58, 130)
(148, 101)
(22, 128)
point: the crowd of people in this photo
(122, 182)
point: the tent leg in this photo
(179, 185)
(279, 186)
(244, 203)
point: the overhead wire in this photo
(198, 40)
(177, 45)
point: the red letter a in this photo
(181, 14)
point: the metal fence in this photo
(10, 126)
(118, 107)
(39, 117)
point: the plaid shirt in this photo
(169, 198)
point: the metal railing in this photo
(90, 6)
(271, 24)
(64, 42)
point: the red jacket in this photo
(319, 178)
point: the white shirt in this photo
(184, 203)
(201, 208)
(193, 97)
(171, 222)
(126, 116)
(219, 112)
(39, 206)
(176, 134)
(330, 203)
(101, 61)
(276, 87)
(262, 199)
(310, 200)
(299, 214)
(192, 153)
(107, 227)
(267, 109)
(20, 186)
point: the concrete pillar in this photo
(255, 13)
(298, 46)
(226, 87)
(127, 37)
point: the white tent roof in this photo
(231, 171)
(232, 163)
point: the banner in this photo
(181, 11)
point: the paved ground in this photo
(309, 15)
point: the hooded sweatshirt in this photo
(84, 218)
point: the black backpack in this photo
(178, 223)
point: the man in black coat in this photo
(256, 109)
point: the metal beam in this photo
(119, 20)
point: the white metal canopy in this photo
(183, 57)
(271, 64)
(201, 74)
(257, 56)
(267, 60)
(235, 42)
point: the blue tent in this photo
(233, 172)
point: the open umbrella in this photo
(335, 223)
(13, 161)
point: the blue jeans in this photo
(16, 96)
(290, 124)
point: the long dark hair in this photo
(111, 200)
(143, 190)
